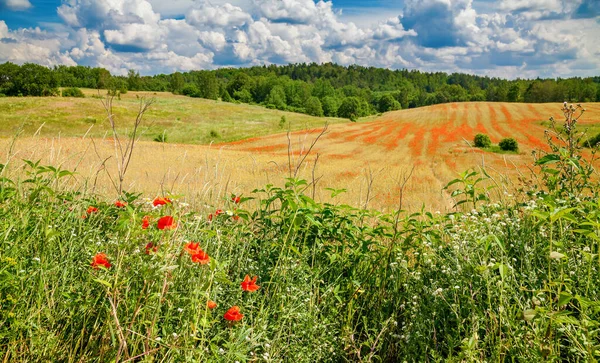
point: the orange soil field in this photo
(369, 159)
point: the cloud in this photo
(509, 38)
(31, 45)
(289, 11)
(15, 5)
(205, 15)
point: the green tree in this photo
(509, 144)
(133, 80)
(225, 96)
(277, 98)
(388, 103)
(330, 106)
(243, 95)
(482, 140)
(207, 85)
(176, 83)
(514, 93)
(351, 108)
(313, 107)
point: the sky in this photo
(503, 38)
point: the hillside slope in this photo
(435, 140)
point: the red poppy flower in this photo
(166, 222)
(100, 260)
(150, 247)
(233, 314)
(120, 204)
(250, 285)
(211, 304)
(145, 222)
(161, 201)
(236, 199)
(200, 257)
(91, 210)
(218, 211)
(192, 247)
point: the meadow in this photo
(262, 249)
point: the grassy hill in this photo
(435, 140)
(184, 119)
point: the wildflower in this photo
(236, 199)
(100, 260)
(151, 247)
(91, 210)
(250, 285)
(233, 314)
(216, 214)
(145, 222)
(192, 247)
(166, 222)
(120, 204)
(211, 304)
(200, 257)
(161, 201)
(556, 255)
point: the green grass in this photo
(183, 119)
(496, 149)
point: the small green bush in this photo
(592, 141)
(509, 144)
(161, 137)
(482, 140)
(72, 92)
(213, 134)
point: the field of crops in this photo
(371, 159)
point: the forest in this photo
(315, 89)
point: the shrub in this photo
(161, 137)
(72, 92)
(509, 144)
(592, 141)
(482, 140)
(190, 90)
(213, 134)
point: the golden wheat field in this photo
(425, 147)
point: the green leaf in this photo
(103, 282)
(547, 159)
(564, 298)
(529, 314)
(503, 271)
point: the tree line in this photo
(315, 89)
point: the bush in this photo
(592, 141)
(190, 90)
(482, 140)
(509, 144)
(72, 92)
(161, 137)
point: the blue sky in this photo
(505, 38)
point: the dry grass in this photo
(351, 156)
